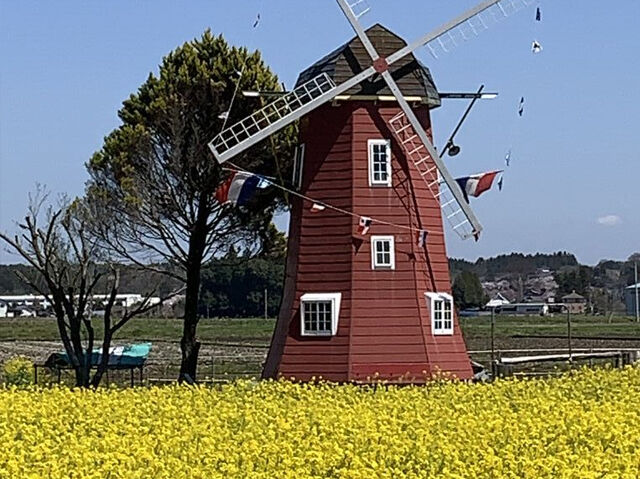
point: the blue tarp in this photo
(120, 357)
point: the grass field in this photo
(258, 330)
(152, 329)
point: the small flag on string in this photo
(224, 115)
(500, 183)
(422, 238)
(507, 158)
(363, 225)
(475, 185)
(521, 107)
(238, 189)
(257, 22)
(317, 207)
(538, 14)
(536, 47)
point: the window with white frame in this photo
(319, 313)
(441, 309)
(379, 163)
(298, 166)
(383, 252)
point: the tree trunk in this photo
(189, 344)
(104, 359)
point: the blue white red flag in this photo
(363, 225)
(239, 188)
(475, 185)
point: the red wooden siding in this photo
(384, 329)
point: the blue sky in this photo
(573, 181)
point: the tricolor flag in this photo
(239, 188)
(475, 185)
(364, 225)
(422, 238)
(317, 207)
(536, 47)
(521, 106)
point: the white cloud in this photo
(610, 220)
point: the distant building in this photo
(528, 309)
(630, 298)
(27, 305)
(576, 303)
(498, 300)
(4, 309)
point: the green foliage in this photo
(467, 291)
(514, 263)
(575, 279)
(156, 171)
(234, 286)
(18, 371)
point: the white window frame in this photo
(392, 253)
(372, 180)
(440, 325)
(334, 299)
(298, 166)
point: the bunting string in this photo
(313, 201)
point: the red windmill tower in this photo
(367, 292)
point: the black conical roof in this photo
(413, 78)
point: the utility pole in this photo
(265, 303)
(635, 266)
(568, 307)
(493, 346)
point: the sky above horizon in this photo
(574, 175)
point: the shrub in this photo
(18, 371)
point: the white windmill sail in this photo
(463, 28)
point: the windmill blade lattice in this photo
(359, 7)
(474, 26)
(263, 122)
(418, 155)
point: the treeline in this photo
(234, 285)
(514, 263)
(132, 280)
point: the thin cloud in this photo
(609, 220)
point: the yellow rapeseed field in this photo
(584, 425)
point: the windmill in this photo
(352, 308)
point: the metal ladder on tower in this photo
(428, 171)
(272, 117)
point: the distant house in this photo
(4, 309)
(576, 303)
(630, 298)
(498, 300)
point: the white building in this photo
(39, 302)
(498, 300)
